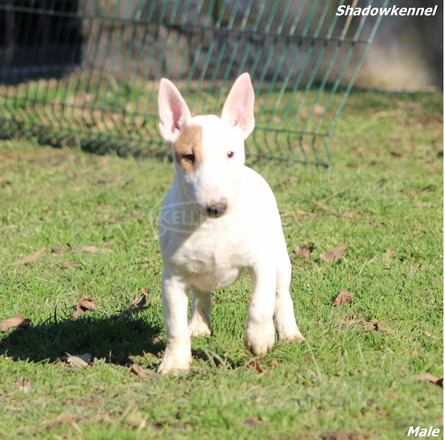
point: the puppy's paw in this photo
(291, 336)
(259, 339)
(198, 326)
(175, 362)
(288, 331)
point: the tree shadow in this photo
(112, 339)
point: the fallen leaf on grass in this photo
(138, 303)
(252, 421)
(383, 329)
(377, 326)
(82, 306)
(136, 369)
(427, 377)
(304, 251)
(94, 249)
(344, 297)
(256, 366)
(429, 335)
(335, 254)
(18, 321)
(79, 360)
(24, 385)
(30, 258)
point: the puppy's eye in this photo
(190, 157)
(230, 154)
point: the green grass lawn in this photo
(357, 374)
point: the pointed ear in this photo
(173, 111)
(238, 108)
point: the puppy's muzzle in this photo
(216, 209)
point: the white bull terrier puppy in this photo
(218, 218)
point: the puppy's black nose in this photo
(216, 209)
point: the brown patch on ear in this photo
(189, 143)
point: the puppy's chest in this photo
(208, 264)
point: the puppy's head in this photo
(208, 150)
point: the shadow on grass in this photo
(214, 360)
(114, 340)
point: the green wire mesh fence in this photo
(86, 72)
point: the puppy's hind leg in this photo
(284, 308)
(199, 324)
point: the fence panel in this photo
(86, 72)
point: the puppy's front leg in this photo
(260, 330)
(178, 353)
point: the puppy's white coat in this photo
(235, 225)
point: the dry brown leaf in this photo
(335, 254)
(427, 333)
(252, 421)
(139, 302)
(79, 360)
(24, 385)
(94, 249)
(137, 305)
(30, 258)
(370, 327)
(18, 321)
(136, 369)
(82, 306)
(383, 329)
(304, 251)
(427, 377)
(344, 297)
(377, 326)
(255, 365)
(86, 304)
